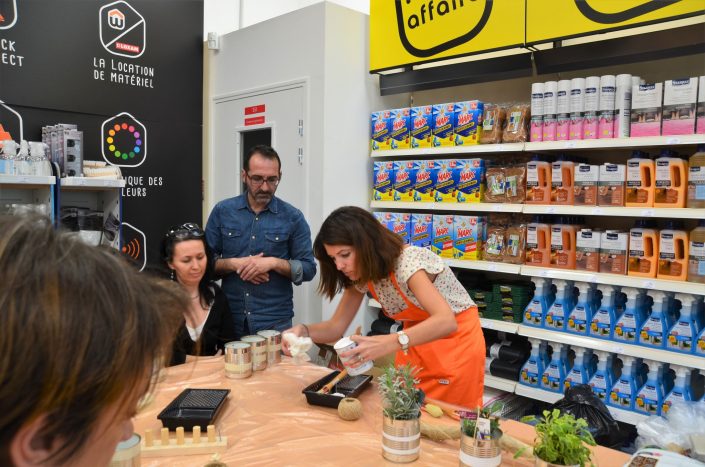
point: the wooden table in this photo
(269, 423)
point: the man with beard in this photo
(262, 245)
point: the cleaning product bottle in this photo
(538, 182)
(533, 369)
(643, 249)
(627, 325)
(684, 332)
(22, 164)
(581, 372)
(625, 387)
(553, 376)
(649, 398)
(8, 157)
(655, 329)
(681, 389)
(563, 238)
(558, 311)
(562, 177)
(696, 178)
(535, 312)
(603, 379)
(605, 317)
(671, 180)
(673, 252)
(538, 243)
(696, 252)
(640, 180)
(581, 315)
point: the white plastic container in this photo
(345, 344)
(623, 106)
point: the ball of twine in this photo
(350, 409)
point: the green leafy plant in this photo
(563, 439)
(401, 400)
(468, 421)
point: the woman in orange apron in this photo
(441, 334)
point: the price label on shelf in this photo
(497, 207)
(492, 267)
(647, 213)
(543, 274)
(648, 285)
(592, 279)
(569, 144)
(550, 210)
(597, 211)
(23, 180)
(673, 141)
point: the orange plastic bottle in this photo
(562, 181)
(538, 243)
(538, 182)
(673, 252)
(671, 180)
(563, 238)
(643, 249)
(640, 181)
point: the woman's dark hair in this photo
(182, 233)
(81, 330)
(376, 248)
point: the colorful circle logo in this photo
(124, 141)
(130, 133)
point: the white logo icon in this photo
(116, 19)
(123, 30)
(8, 14)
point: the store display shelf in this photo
(88, 183)
(500, 383)
(26, 180)
(615, 279)
(615, 143)
(621, 348)
(497, 325)
(484, 266)
(676, 213)
(450, 150)
(465, 207)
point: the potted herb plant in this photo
(401, 402)
(562, 440)
(479, 443)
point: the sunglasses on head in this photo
(187, 230)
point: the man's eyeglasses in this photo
(258, 180)
(187, 230)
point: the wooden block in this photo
(196, 434)
(211, 433)
(190, 447)
(148, 438)
(165, 437)
(179, 435)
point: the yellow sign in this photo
(404, 32)
(557, 19)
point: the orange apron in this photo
(452, 368)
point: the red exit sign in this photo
(254, 109)
(254, 120)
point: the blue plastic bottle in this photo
(681, 389)
(532, 370)
(625, 387)
(603, 379)
(649, 397)
(536, 310)
(558, 311)
(554, 374)
(580, 316)
(684, 332)
(655, 329)
(628, 325)
(582, 368)
(604, 319)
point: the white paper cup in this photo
(345, 344)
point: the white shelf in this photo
(620, 348)
(538, 394)
(87, 182)
(497, 325)
(374, 303)
(625, 416)
(450, 150)
(474, 207)
(26, 180)
(484, 266)
(678, 213)
(614, 143)
(500, 383)
(615, 279)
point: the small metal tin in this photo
(274, 345)
(259, 351)
(238, 360)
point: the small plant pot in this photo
(401, 440)
(543, 463)
(479, 453)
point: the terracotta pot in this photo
(479, 453)
(401, 440)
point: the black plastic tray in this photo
(351, 386)
(193, 407)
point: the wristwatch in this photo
(403, 341)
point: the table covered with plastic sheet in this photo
(269, 423)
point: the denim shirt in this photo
(280, 230)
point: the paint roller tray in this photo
(193, 407)
(351, 386)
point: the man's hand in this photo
(254, 267)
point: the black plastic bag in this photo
(581, 402)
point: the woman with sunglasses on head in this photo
(208, 323)
(442, 335)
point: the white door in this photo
(283, 113)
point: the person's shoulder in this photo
(288, 208)
(228, 202)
